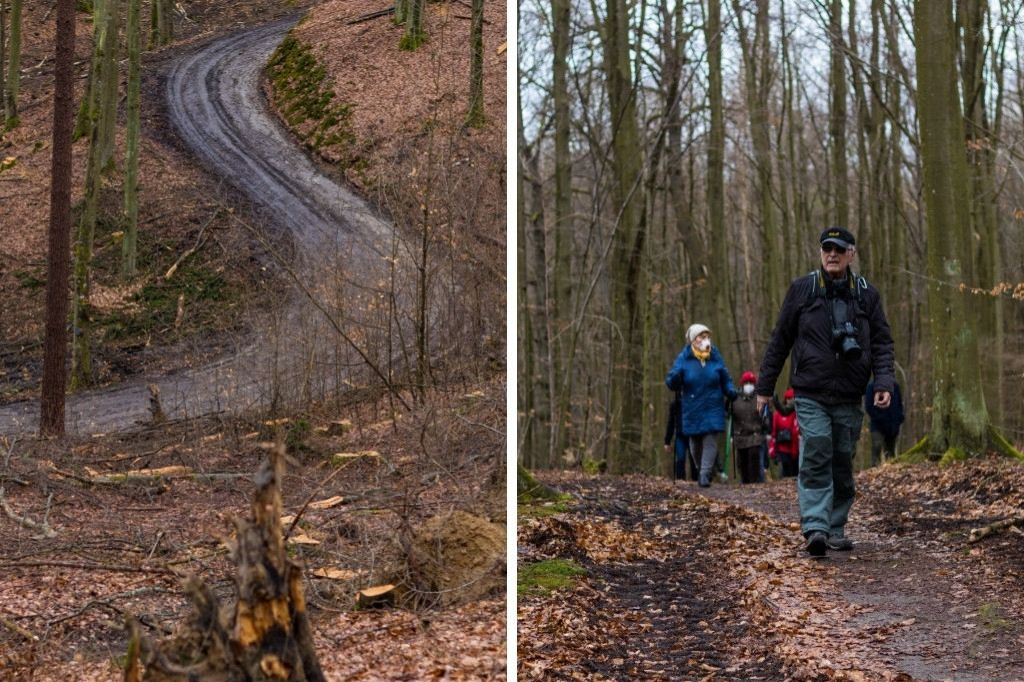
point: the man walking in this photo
(833, 322)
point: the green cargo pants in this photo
(828, 439)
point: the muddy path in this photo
(214, 101)
(914, 600)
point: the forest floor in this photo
(678, 582)
(122, 548)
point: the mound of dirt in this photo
(459, 556)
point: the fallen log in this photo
(985, 531)
(372, 15)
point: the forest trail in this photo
(685, 583)
(213, 99)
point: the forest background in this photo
(678, 160)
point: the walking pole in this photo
(728, 448)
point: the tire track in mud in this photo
(214, 101)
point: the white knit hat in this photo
(694, 331)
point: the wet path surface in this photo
(919, 594)
(214, 101)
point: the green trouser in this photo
(828, 438)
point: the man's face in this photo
(835, 259)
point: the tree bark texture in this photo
(51, 421)
(13, 81)
(475, 118)
(133, 34)
(628, 291)
(959, 416)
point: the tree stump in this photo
(266, 636)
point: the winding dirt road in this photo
(213, 99)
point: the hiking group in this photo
(833, 328)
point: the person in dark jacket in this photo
(747, 436)
(700, 375)
(884, 424)
(674, 437)
(833, 322)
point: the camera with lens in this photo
(844, 333)
(844, 338)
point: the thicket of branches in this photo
(677, 161)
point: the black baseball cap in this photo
(838, 236)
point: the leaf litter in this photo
(726, 592)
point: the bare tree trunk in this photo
(959, 416)
(414, 35)
(837, 117)
(13, 68)
(475, 118)
(51, 420)
(109, 90)
(628, 291)
(129, 249)
(81, 360)
(539, 455)
(3, 50)
(981, 150)
(715, 180)
(559, 304)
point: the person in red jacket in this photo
(785, 444)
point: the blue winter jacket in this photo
(702, 389)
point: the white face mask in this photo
(748, 389)
(704, 345)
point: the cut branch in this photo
(985, 531)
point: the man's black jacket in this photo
(818, 371)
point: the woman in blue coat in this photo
(700, 376)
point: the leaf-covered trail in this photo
(714, 583)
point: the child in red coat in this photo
(785, 442)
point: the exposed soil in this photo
(913, 600)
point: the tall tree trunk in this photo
(161, 23)
(88, 110)
(109, 91)
(539, 453)
(981, 150)
(837, 117)
(414, 35)
(959, 416)
(526, 385)
(51, 420)
(475, 117)
(715, 305)
(13, 68)
(81, 360)
(560, 293)
(3, 50)
(757, 81)
(628, 293)
(133, 31)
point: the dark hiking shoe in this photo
(705, 481)
(817, 543)
(839, 543)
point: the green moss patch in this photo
(305, 99)
(543, 577)
(542, 510)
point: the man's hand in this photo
(882, 399)
(666, 447)
(762, 401)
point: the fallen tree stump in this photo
(266, 635)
